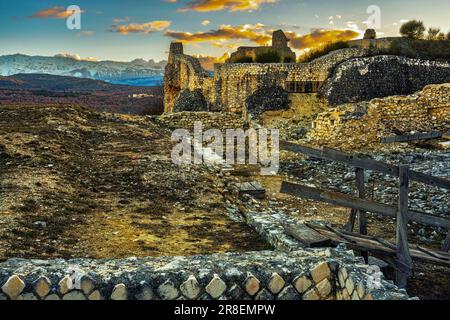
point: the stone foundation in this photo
(210, 120)
(305, 274)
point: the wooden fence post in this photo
(360, 179)
(403, 255)
(362, 214)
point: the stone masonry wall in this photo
(210, 120)
(235, 82)
(364, 124)
(231, 84)
(364, 79)
(305, 274)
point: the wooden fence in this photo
(360, 205)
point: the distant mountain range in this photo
(46, 82)
(69, 66)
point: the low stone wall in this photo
(358, 125)
(210, 120)
(309, 275)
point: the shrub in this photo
(413, 29)
(448, 36)
(288, 60)
(268, 57)
(420, 49)
(433, 33)
(324, 50)
(246, 59)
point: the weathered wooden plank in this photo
(364, 163)
(412, 137)
(343, 200)
(372, 245)
(403, 255)
(254, 189)
(307, 236)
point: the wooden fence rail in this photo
(347, 201)
(364, 163)
(413, 137)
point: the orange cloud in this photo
(148, 27)
(55, 12)
(218, 5)
(254, 33)
(260, 35)
(319, 37)
(208, 62)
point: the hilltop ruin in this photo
(349, 73)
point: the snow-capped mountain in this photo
(69, 66)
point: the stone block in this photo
(168, 291)
(216, 287)
(13, 287)
(320, 272)
(42, 287)
(302, 284)
(119, 292)
(252, 285)
(324, 288)
(276, 283)
(190, 288)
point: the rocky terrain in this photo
(74, 183)
(69, 66)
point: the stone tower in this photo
(175, 48)
(370, 34)
(279, 39)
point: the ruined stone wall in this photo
(253, 52)
(183, 72)
(381, 43)
(210, 120)
(235, 82)
(232, 84)
(364, 79)
(358, 125)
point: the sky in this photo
(125, 30)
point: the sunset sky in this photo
(125, 30)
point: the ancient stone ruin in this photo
(279, 46)
(346, 75)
